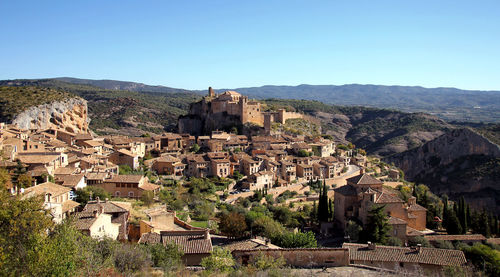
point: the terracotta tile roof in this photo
(168, 159)
(68, 205)
(47, 187)
(83, 137)
(93, 143)
(191, 242)
(388, 198)
(396, 221)
(126, 152)
(149, 186)
(124, 205)
(364, 179)
(95, 176)
(410, 232)
(150, 238)
(477, 237)
(416, 207)
(37, 170)
(65, 171)
(346, 190)
(70, 181)
(250, 244)
(41, 158)
(109, 207)
(430, 256)
(84, 220)
(301, 145)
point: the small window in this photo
(130, 194)
(117, 193)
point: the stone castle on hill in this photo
(226, 110)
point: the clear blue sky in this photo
(229, 44)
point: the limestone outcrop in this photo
(459, 163)
(70, 115)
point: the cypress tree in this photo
(445, 211)
(495, 225)
(330, 204)
(468, 215)
(314, 211)
(323, 213)
(463, 215)
(453, 226)
(484, 224)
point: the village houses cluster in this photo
(61, 162)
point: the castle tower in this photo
(243, 109)
(211, 92)
(268, 118)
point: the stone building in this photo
(363, 192)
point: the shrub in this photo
(130, 258)
(220, 260)
(265, 262)
(296, 240)
(166, 256)
(413, 241)
(393, 241)
(147, 198)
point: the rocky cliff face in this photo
(442, 151)
(69, 114)
(459, 163)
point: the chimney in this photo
(419, 248)
(106, 201)
(207, 234)
(95, 213)
(361, 171)
(371, 245)
(97, 199)
(101, 209)
(412, 200)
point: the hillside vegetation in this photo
(14, 100)
(125, 112)
(379, 131)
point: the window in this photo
(130, 194)
(117, 193)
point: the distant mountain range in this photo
(121, 85)
(450, 104)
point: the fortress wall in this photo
(284, 115)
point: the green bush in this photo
(220, 260)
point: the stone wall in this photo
(69, 115)
(298, 257)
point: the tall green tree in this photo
(377, 229)
(445, 210)
(453, 226)
(23, 231)
(323, 210)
